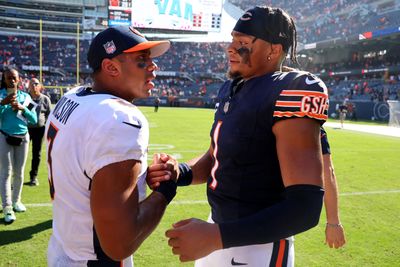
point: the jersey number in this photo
(51, 135)
(214, 182)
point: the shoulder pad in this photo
(303, 95)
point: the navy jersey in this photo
(245, 177)
(326, 149)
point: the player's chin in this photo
(148, 87)
(233, 74)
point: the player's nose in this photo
(231, 49)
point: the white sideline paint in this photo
(369, 193)
(195, 202)
(161, 146)
(374, 129)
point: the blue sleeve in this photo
(30, 115)
(298, 212)
(2, 107)
(324, 142)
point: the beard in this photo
(233, 74)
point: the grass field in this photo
(365, 163)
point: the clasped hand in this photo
(164, 168)
(193, 239)
(16, 106)
(11, 98)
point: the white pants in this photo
(12, 161)
(280, 253)
(56, 257)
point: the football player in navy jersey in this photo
(334, 231)
(264, 169)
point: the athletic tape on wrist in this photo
(185, 175)
(168, 189)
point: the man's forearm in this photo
(150, 213)
(201, 168)
(331, 200)
(331, 192)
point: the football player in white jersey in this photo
(97, 157)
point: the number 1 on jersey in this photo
(214, 182)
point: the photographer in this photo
(16, 111)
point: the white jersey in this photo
(85, 132)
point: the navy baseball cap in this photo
(261, 22)
(121, 39)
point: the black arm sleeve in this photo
(298, 212)
(326, 149)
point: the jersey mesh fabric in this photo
(248, 177)
(96, 133)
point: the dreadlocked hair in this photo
(283, 30)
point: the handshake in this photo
(163, 168)
(192, 238)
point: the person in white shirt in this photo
(97, 157)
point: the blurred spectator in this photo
(36, 131)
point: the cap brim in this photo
(157, 48)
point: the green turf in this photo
(363, 162)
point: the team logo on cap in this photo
(246, 16)
(136, 32)
(109, 47)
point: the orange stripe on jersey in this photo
(300, 114)
(288, 103)
(281, 252)
(302, 93)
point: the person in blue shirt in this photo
(264, 168)
(16, 111)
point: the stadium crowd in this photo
(195, 58)
(198, 69)
(376, 90)
(328, 19)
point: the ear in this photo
(111, 67)
(276, 51)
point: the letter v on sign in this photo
(162, 7)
